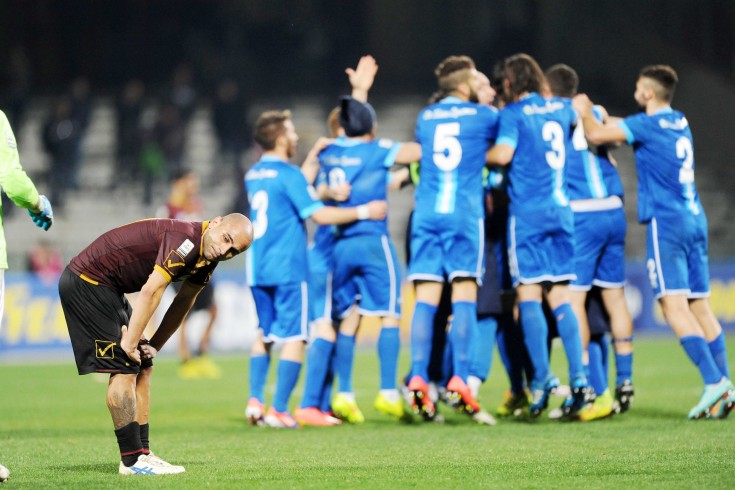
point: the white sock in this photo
(392, 395)
(474, 383)
(348, 394)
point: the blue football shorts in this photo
(599, 249)
(446, 246)
(283, 311)
(676, 256)
(366, 272)
(541, 250)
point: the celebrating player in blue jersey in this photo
(676, 248)
(447, 228)
(280, 201)
(366, 277)
(532, 138)
(596, 198)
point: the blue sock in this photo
(389, 345)
(623, 368)
(463, 326)
(422, 329)
(325, 399)
(288, 375)
(515, 353)
(598, 374)
(258, 376)
(566, 323)
(535, 331)
(698, 351)
(482, 345)
(344, 361)
(719, 353)
(317, 365)
(447, 367)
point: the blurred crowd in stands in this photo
(151, 126)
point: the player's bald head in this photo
(242, 230)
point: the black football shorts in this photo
(94, 316)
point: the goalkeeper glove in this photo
(44, 217)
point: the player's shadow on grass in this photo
(107, 468)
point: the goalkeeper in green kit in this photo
(21, 190)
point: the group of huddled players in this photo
(518, 231)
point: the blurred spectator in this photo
(184, 203)
(183, 96)
(228, 115)
(19, 85)
(45, 261)
(129, 137)
(162, 152)
(81, 102)
(61, 136)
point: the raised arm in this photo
(362, 77)
(596, 132)
(310, 168)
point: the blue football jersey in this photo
(454, 136)
(364, 165)
(539, 129)
(280, 201)
(590, 174)
(664, 158)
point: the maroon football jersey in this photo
(124, 257)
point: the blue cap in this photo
(356, 118)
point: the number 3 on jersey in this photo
(259, 205)
(447, 149)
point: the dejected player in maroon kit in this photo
(107, 333)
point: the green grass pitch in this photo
(55, 432)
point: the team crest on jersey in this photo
(173, 262)
(185, 248)
(10, 138)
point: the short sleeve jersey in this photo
(539, 130)
(454, 136)
(664, 157)
(590, 173)
(364, 165)
(280, 200)
(124, 257)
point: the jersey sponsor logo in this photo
(10, 139)
(185, 248)
(173, 261)
(103, 349)
(547, 108)
(266, 173)
(677, 125)
(453, 113)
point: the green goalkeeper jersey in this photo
(13, 180)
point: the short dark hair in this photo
(452, 71)
(665, 76)
(523, 75)
(563, 80)
(269, 127)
